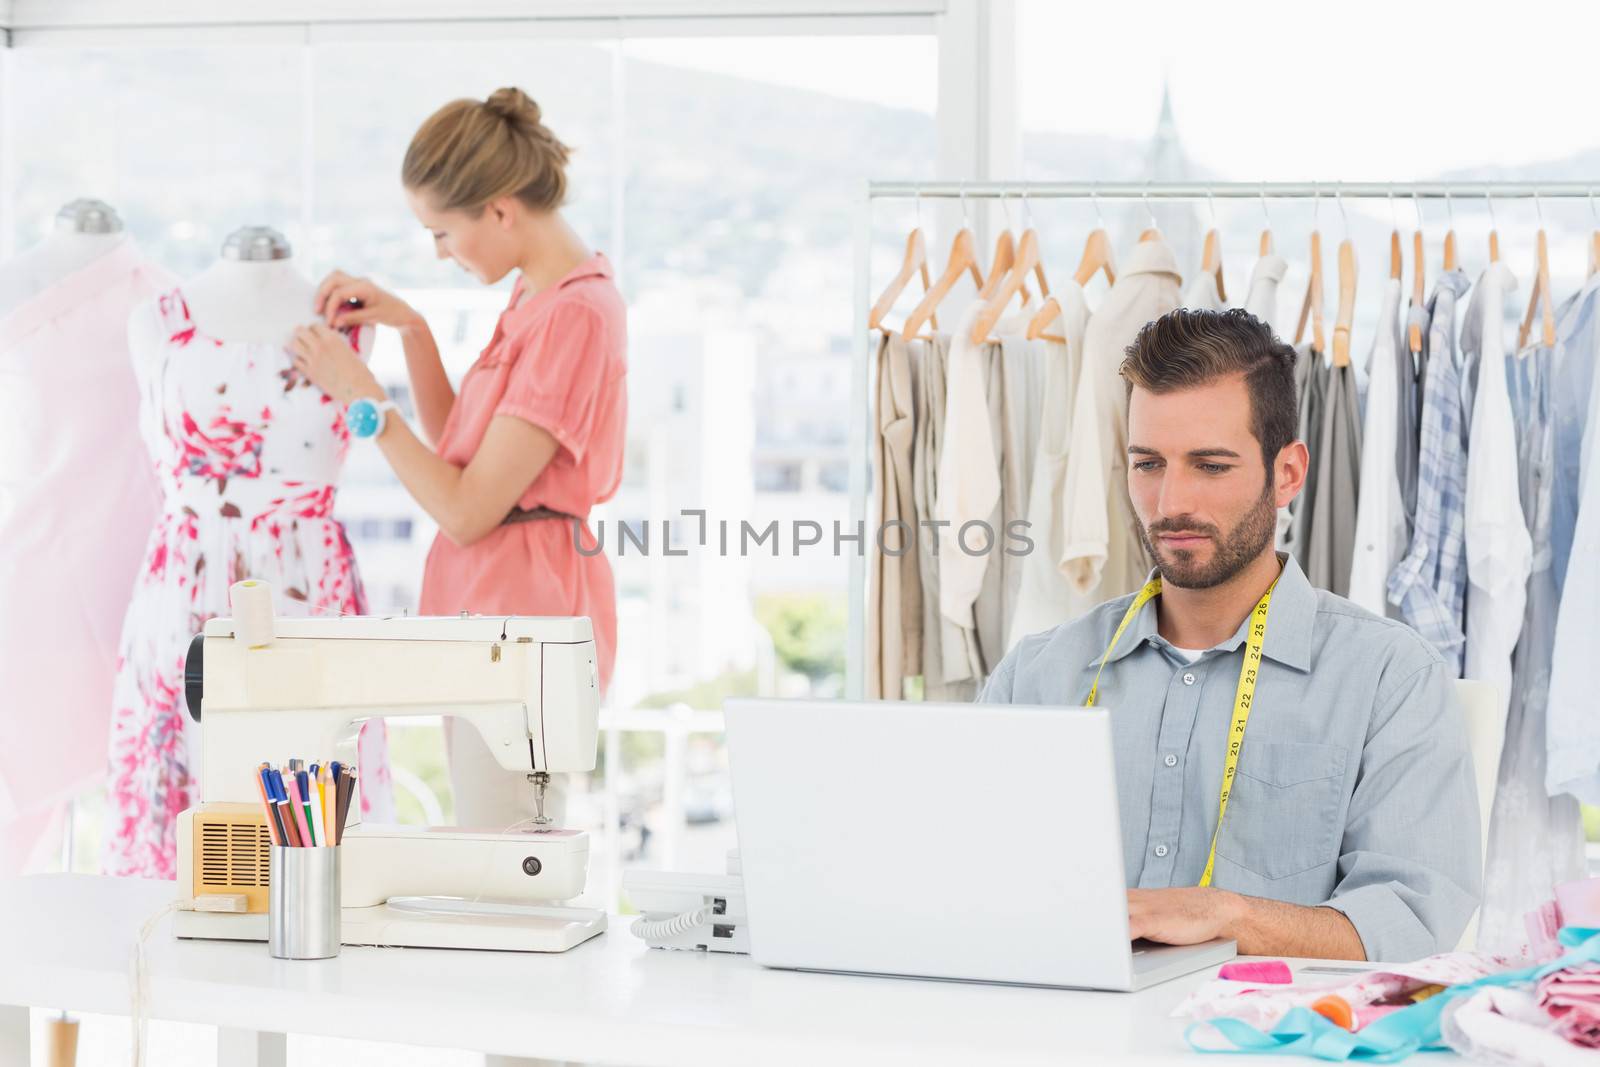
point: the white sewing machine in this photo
(530, 687)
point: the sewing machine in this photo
(529, 685)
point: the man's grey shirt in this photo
(1354, 785)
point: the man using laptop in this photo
(1327, 740)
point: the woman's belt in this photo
(535, 514)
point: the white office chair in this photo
(1486, 735)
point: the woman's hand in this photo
(345, 301)
(327, 360)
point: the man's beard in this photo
(1232, 554)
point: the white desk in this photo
(66, 942)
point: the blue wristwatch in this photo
(366, 417)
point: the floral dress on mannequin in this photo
(248, 454)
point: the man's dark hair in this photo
(1186, 349)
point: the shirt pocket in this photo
(1285, 813)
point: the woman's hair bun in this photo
(514, 105)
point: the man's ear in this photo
(1289, 472)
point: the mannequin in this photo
(254, 294)
(250, 454)
(72, 477)
(84, 231)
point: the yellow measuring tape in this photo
(1243, 697)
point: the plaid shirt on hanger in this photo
(1430, 584)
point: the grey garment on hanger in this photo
(1410, 368)
(1535, 840)
(951, 668)
(1022, 368)
(988, 610)
(1330, 522)
(1308, 386)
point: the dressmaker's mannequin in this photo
(254, 294)
(84, 231)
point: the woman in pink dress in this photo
(533, 439)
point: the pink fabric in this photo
(558, 360)
(248, 453)
(1572, 999)
(73, 482)
(1579, 902)
(1262, 972)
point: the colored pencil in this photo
(347, 793)
(274, 830)
(319, 833)
(291, 830)
(298, 804)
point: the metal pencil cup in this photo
(303, 910)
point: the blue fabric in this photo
(1302, 1032)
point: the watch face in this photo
(362, 418)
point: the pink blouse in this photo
(557, 360)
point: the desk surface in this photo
(67, 942)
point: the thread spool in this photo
(251, 602)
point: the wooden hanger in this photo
(1097, 257)
(1451, 262)
(1594, 254)
(1027, 258)
(1312, 305)
(1396, 259)
(916, 259)
(1005, 254)
(1266, 243)
(1540, 299)
(1347, 304)
(963, 258)
(1418, 267)
(1048, 312)
(1211, 261)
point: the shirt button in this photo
(1188, 677)
(1171, 761)
(1161, 850)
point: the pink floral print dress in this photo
(248, 453)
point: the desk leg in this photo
(14, 1040)
(249, 1048)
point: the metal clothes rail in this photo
(861, 421)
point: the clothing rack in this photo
(860, 426)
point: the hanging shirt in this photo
(894, 584)
(1535, 840)
(1024, 367)
(1329, 530)
(1202, 295)
(1499, 550)
(951, 666)
(1412, 372)
(1104, 555)
(1354, 786)
(1430, 584)
(1294, 531)
(969, 473)
(77, 492)
(1577, 342)
(1262, 299)
(1381, 533)
(1046, 596)
(1574, 728)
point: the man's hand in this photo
(1182, 916)
(1261, 927)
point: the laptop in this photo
(971, 842)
